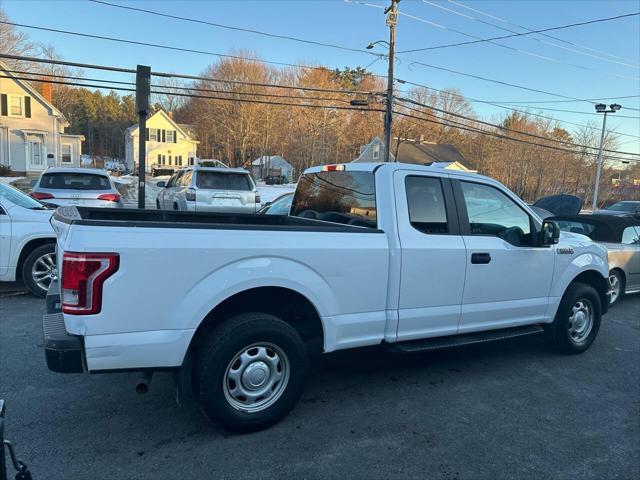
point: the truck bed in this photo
(119, 217)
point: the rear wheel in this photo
(39, 269)
(577, 321)
(617, 286)
(250, 372)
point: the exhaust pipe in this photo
(142, 386)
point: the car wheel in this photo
(617, 286)
(250, 372)
(577, 320)
(39, 269)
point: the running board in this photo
(439, 343)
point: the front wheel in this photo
(617, 286)
(577, 320)
(250, 372)
(40, 269)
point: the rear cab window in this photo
(210, 180)
(345, 197)
(74, 181)
(427, 209)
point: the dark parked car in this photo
(620, 235)
(626, 207)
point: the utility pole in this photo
(392, 19)
(601, 108)
(143, 90)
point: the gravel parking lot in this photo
(502, 410)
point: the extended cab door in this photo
(508, 278)
(433, 256)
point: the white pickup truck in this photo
(416, 258)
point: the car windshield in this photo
(74, 181)
(624, 207)
(223, 181)
(280, 206)
(19, 198)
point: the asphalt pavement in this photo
(503, 410)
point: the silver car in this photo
(82, 187)
(621, 237)
(209, 189)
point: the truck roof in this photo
(370, 167)
(93, 171)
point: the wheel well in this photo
(29, 247)
(597, 281)
(286, 304)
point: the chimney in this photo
(46, 89)
(170, 115)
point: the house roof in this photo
(430, 153)
(164, 114)
(34, 93)
(364, 149)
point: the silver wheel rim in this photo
(44, 270)
(581, 320)
(615, 287)
(256, 377)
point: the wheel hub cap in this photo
(44, 270)
(581, 320)
(256, 377)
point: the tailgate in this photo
(225, 199)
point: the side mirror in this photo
(550, 233)
(162, 184)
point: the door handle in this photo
(480, 258)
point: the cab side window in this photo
(427, 211)
(172, 181)
(491, 212)
(186, 179)
(631, 236)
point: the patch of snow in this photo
(268, 193)
(10, 180)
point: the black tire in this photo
(27, 267)
(559, 334)
(619, 278)
(223, 345)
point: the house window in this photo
(153, 134)
(16, 106)
(376, 152)
(171, 136)
(66, 153)
(191, 161)
(179, 160)
(159, 159)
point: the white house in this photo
(169, 144)
(32, 134)
(260, 167)
(373, 152)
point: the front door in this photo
(433, 256)
(508, 279)
(35, 155)
(5, 240)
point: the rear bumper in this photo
(64, 352)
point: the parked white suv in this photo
(209, 189)
(413, 257)
(27, 241)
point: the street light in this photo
(601, 108)
(373, 44)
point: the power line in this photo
(500, 127)
(502, 45)
(586, 113)
(228, 27)
(500, 82)
(542, 34)
(561, 27)
(504, 137)
(155, 45)
(569, 101)
(484, 22)
(511, 109)
(176, 75)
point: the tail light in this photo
(41, 195)
(82, 277)
(333, 168)
(190, 195)
(257, 197)
(109, 197)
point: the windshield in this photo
(74, 181)
(223, 181)
(17, 197)
(280, 206)
(624, 206)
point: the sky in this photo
(607, 67)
